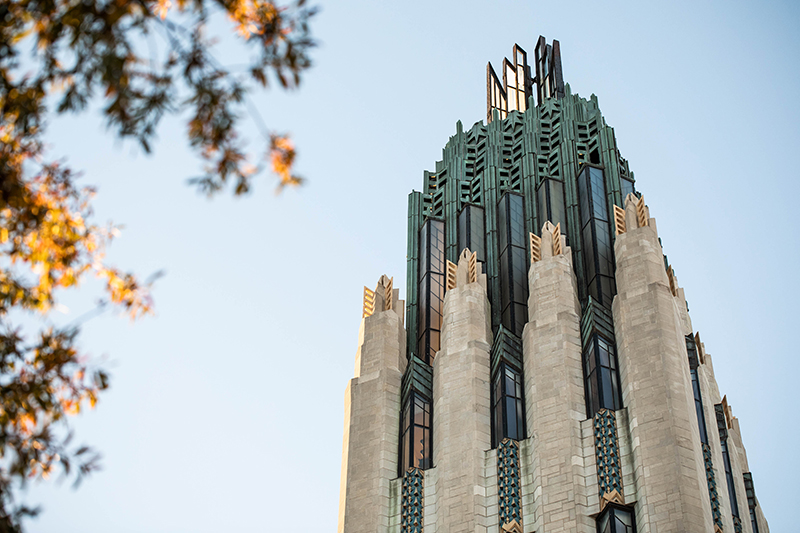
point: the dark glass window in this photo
(508, 403)
(550, 203)
(598, 248)
(599, 357)
(416, 440)
(691, 350)
(431, 288)
(726, 460)
(513, 263)
(627, 187)
(722, 426)
(616, 519)
(471, 231)
(750, 491)
(602, 375)
(698, 405)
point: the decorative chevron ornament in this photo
(609, 473)
(712, 486)
(411, 518)
(509, 483)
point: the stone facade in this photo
(372, 416)
(662, 471)
(548, 378)
(461, 426)
(563, 495)
(669, 471)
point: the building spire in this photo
(516, 89)
(514, 93)
(549, 77)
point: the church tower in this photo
(543, 373)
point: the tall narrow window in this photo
(431, 288)
(416, 440)
(471, 232)
(513, 263)
(549, 78)
(507, 391)
(750, 490)
(550, 203)
(602, 377)
(598, 251)
(508, 412)
(691, 350)
(599, 352)
(722, 426)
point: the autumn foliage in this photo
(57, 56)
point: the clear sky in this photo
(226, 408)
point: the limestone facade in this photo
(662, 468)
(372, 416)
(562, 495)
(461, 427)
(548, 377)
(669, 472)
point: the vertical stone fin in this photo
(701, 352)
(369, 303)
(673, 284)
(657, 385)
(557, 249)
(388, 288)
(619, 220)
(473, 267)
(726, 409)
(536, 248)
(452, 270)
(641, 212)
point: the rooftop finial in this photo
(549, 77)
(517, 87)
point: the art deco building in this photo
(543, 373)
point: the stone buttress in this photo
(555, 403)
(372, 414)
(745, 515)
(461, 426)
(669, 471)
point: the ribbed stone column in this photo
(554, 395)
(372, 420)
(461, 420)
(669, 471)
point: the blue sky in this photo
(226, 407)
